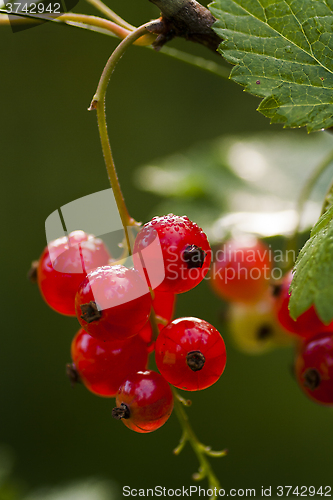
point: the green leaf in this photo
(283, 52)
(328, 201)
(88, 27)
(313, 278)
(241, 183)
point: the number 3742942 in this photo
(304, 491)
(33, 8)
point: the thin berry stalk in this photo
(115, 57)
(99, 5)
(83, 20)
(98, 103)
(118, 30)
(110, 167)
(99, 22)
(197, 61)
(201, 451)
(76, 20)
(153, 323)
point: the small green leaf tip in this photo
(313, 272)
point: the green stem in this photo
(199, 62)
(304, 196)
(74, 19)
(110, 167)
(99, 5)
(153, 323)
(201, 451)
(98, 103)
(115, 57)
(117, 30)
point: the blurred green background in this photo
(50, 155)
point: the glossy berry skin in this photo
(103, 366)
(164, 306)
(307, 324)
(190, 354)
(64, 264)
(113, 302)
(241, 270)
(183, 257)
(147, 400)
(314, 368)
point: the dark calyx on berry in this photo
(276, 290)
(32, 273)
(194, 256)
(121, 412)
(90, 312)
(264, 332)
(72, 374)
(195, 360)
(312, 378)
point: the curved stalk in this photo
(99, 5)
(115, 57)
(201, 451)
(110, 167)
(74, 19)
(119, 31)
(83, 21)
(197, 61)
(98, 103)
(100, 22)
(188, 435)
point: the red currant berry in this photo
(144, 401)
(190, 354)
(64, 264)
(241, 270)
(175, 252)
(307, 324)
(314, 368)
(164, 306)
(113, 302)
(253, 327)
(103, 366)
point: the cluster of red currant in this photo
(259, 314)
(113, 304)
(314, 356)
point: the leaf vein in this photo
(280, 34)
(306, 38)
